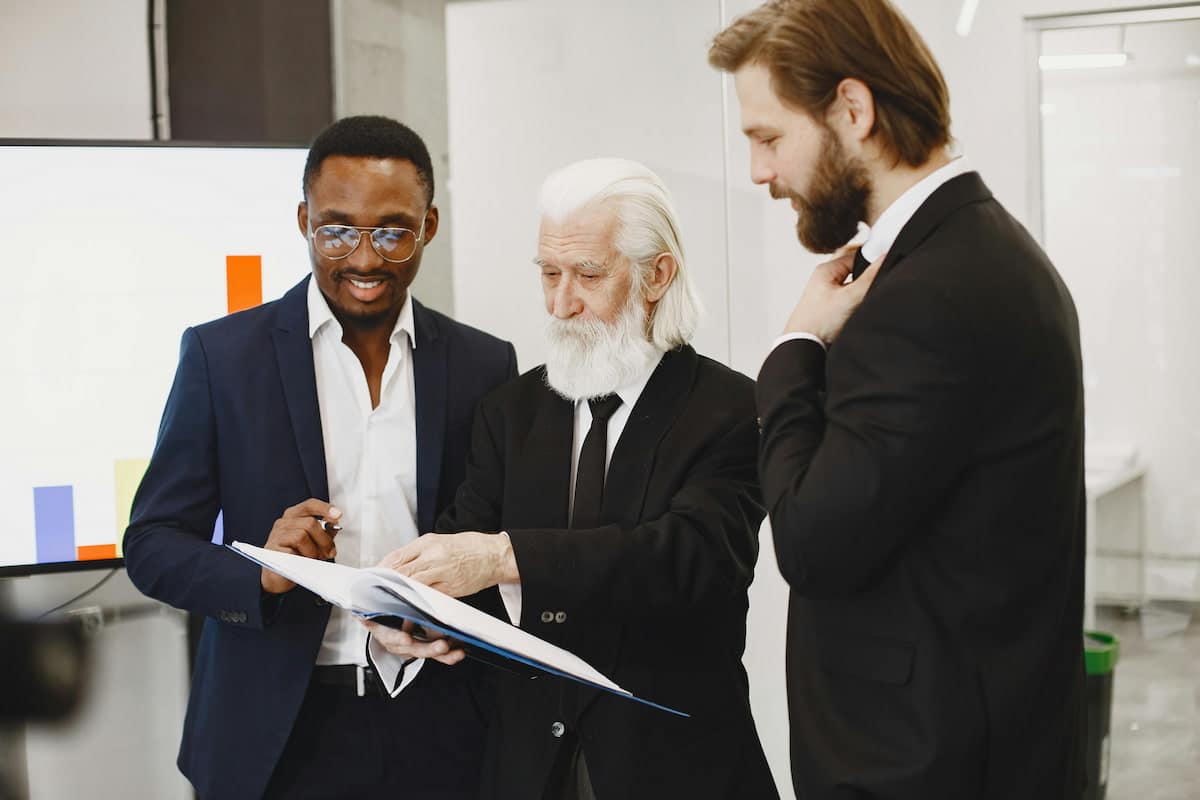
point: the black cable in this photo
(151, 25)
(81, 595)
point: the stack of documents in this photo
(385, 595)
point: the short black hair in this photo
(370, 136)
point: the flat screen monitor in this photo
(109, 252)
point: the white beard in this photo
(590, 358)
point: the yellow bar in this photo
(128, 473)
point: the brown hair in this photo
(810, 46)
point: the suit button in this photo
(557, 730)
(548, 616)
(560, 617)
(241, 617)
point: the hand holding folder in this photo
(384, 595)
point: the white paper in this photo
(376, 591)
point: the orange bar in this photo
(243, 281)
(95, 552)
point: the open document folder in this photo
(383, 594)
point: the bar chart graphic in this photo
(54, 506)
(185, 235)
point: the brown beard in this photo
(836, 200)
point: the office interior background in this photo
(1083, 117)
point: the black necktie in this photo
(860, 264)
(589, 475)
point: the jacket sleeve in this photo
(169, 554)
(848, 479)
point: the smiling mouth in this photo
(364, 284)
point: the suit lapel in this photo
(542, 466)
(430, 374)
(634, 456)
(294, 355)
(952, 195)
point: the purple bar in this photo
(218, 536)
(54, 523)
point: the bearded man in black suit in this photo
(922, 430)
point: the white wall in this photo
(536, 84)
(74, 69)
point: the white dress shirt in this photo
(370, 460)
(882, 235)
(510, 593)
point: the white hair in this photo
(647, 227)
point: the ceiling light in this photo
(1083, 61)
(966, 16)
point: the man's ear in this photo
(431, 224)
(852, 113)
(302, 218)
(662, 272)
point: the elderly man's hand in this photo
(412, 642)
(457, 564)
(828, 301)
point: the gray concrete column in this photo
(389, 58)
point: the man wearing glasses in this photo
(332, 423)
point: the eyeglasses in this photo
(396, 245)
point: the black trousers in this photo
(425, 744)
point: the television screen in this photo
(112, 251)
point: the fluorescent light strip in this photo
(1083, 61)
(966, 17)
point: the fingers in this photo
(403, 643)
(404, 555)
(301, 530)
(838, 268)
(313, 507)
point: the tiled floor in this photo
(1156, 713)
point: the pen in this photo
(327, 526)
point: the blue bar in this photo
(218, 536)
(54, 523)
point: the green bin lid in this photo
(1100, 652)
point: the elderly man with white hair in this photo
(611, 506)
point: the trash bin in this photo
(1100, 651)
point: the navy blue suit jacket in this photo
(241, 433)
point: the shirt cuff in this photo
(510, 594)
(395, 671)
(791, 337)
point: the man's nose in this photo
(364, 256)
(760, 170)
(566, 302)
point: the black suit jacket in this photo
(925, 486)
(241, 434)
(655, 598)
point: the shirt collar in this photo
(893, 219)
(320, 315)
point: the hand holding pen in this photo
(306, 529)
